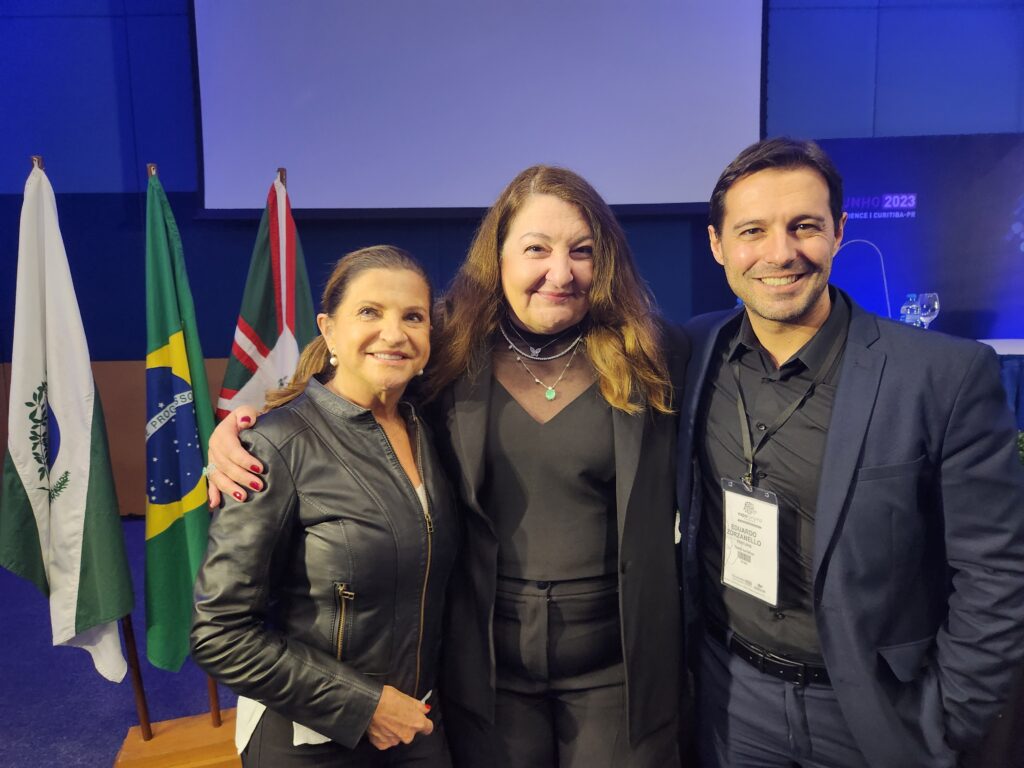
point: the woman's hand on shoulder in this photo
(234, 470)
(398, 719)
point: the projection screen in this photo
(439, 103)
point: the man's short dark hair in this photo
(780, 153)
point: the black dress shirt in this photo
(789, 464)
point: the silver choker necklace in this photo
(535, 352)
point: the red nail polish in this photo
(237, 495)
(427, 706)
(254, 485)
(254, 468)
(245, 419)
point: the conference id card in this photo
(750, 540)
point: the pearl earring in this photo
(333, 359)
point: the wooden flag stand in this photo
(199, 741)
(187, 742)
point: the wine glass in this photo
(929, 307)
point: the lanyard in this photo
(749, 449)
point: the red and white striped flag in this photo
(277, 319)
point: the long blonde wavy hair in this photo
(315, 358)
(623, 340)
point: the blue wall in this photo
(867, 68)
(101, 87)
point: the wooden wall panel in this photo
(122, 388)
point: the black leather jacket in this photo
(328, 584)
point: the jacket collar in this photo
(859, 380)
(472, 395)
(336, 405)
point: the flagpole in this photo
(126, 621)
(211, 689)
(211, 684)
(141, 707)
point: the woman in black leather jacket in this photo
(322, 608)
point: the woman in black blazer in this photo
(551, 391)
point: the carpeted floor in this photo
(55, 709)
(57, 712)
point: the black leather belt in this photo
(767, 662)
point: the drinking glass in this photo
(929, 307)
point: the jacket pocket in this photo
(343, 621)
(880, 472)
(907, 660)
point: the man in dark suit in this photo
(853, 506)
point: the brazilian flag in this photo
(179, 420)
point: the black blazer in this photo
(919, 537)
(645, 461)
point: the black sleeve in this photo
(231, 639)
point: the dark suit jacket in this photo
(919, 536)
(649, 601)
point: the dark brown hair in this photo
(315, 358)
(783, 153)
(622, 336)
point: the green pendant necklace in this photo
(549, 390)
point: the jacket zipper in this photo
(429, 524)
(344, 597)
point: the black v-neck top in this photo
(550, 488)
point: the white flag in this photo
(59, 524)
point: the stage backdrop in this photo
(947, 213)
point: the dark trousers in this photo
(271, 747)
(747, 719)
(560, 698)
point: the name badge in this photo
(750, 540)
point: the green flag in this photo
(179, 420)
(277, 318)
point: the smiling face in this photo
(547, 265)
(776, 244)
(380, 334)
